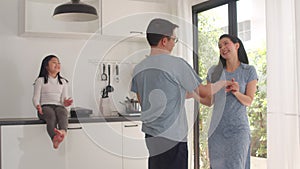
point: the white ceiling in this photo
(59, 1)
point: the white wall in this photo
(20, 59)
(195, 2)
(20, 62)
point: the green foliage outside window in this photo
(208, 36)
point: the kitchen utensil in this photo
(128, 99)
(103, 75)
(117, 74)
(105, 107)
(104, 93)
(131, 106)
(136, 106)
(109, 88)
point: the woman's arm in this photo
(247, 98)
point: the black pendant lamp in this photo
(75, 11)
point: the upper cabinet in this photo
(127, 18)
(117, 18)
(35, 19)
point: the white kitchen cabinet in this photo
(127, 18)
(135, 153)
(35, 19)
(94, 145)
(29, 147)
(109, 145)
(117, 18)
(87, 145)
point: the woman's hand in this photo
(68, 102)
(235, 87)
(232, 86)
(39, 109)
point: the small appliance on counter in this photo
(106, 105)
(77, 112)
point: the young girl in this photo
(50, 98)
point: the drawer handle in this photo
(75, 128)
(138, 32)
(132, 125)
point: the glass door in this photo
(211, 24)
(246, 19)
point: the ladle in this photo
(103, 75)
(109, 88)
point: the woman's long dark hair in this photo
(44, 72)
(242, 56)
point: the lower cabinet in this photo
(94, 146)
(29, 147)
(135, 153)
(112, 145)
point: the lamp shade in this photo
(75, 11)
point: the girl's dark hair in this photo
(44, 71)
(242, 56)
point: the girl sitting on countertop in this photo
(50, 97)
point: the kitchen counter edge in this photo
(29, 121)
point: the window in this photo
(244, 30)
(246, 20)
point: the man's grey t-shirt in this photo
(162, 82)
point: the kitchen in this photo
(22, 51)
(86, 50)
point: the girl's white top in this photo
(51, 92)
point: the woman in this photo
(229, 133)
(50, 98)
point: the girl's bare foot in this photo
(60, 133)
(59, 137)
(55, 141)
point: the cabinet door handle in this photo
(75, 128)
(137, 32)
(131, 125)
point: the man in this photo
(162, 82)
